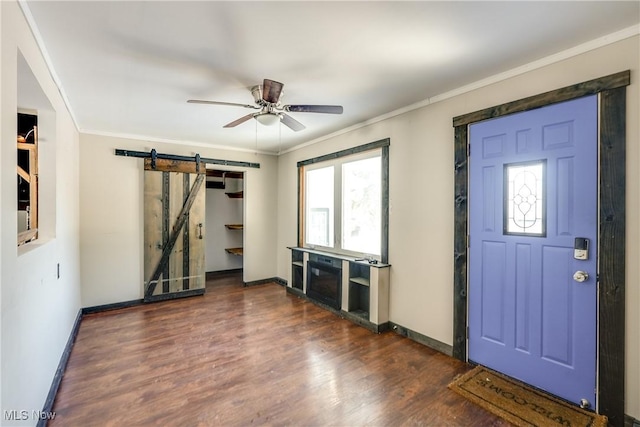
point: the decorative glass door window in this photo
(524, 198)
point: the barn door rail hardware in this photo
(154, 155)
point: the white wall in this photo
(221, 210)
(112, 223)
(37, 308)
(422, 192)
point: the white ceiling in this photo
(127, 68)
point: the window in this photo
(27, 166)
(345, 201)
(319, 206)
(361, 205)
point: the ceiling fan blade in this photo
(271, 91)
(328, 109)
(292, 123)
(239, 121)
(230, 104)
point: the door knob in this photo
(580, 276)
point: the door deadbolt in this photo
(580, 276)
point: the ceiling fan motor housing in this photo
(258, 96)
(256, 91)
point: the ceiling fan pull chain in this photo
(256, 137)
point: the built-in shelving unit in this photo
(363, 286)
(234, 251)
(231, 183)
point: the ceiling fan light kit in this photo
(267, 119)
(267, 98)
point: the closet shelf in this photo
(235, 195)
(234, 226)
(234, 251)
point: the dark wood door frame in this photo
(611, 243)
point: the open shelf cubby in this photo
(297, 263)
(359, 283)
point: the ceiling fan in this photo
(267, 100)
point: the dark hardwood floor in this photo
(253, 356)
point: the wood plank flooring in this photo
(253, 356)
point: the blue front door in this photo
(533, 189)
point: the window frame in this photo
(336, 159)
(27, 141)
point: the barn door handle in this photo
(200, 231)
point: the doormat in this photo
(520, 404)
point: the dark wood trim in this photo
(280, 281)
(421, 339)
(136, 302)
(460, 244)
(611, 290)
(301, 217)
(360, 321)
(384, 145)
(590, 87)
(114, 306)
(263, 281)
(346, 152)
(219, 273)
(629, 421)
(611, 246)
(175, 295)
(297, 292)
(62, 366)
(384, 201)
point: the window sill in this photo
(32, 246)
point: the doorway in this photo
(224, 221)
(533, 184)
(611, 227)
